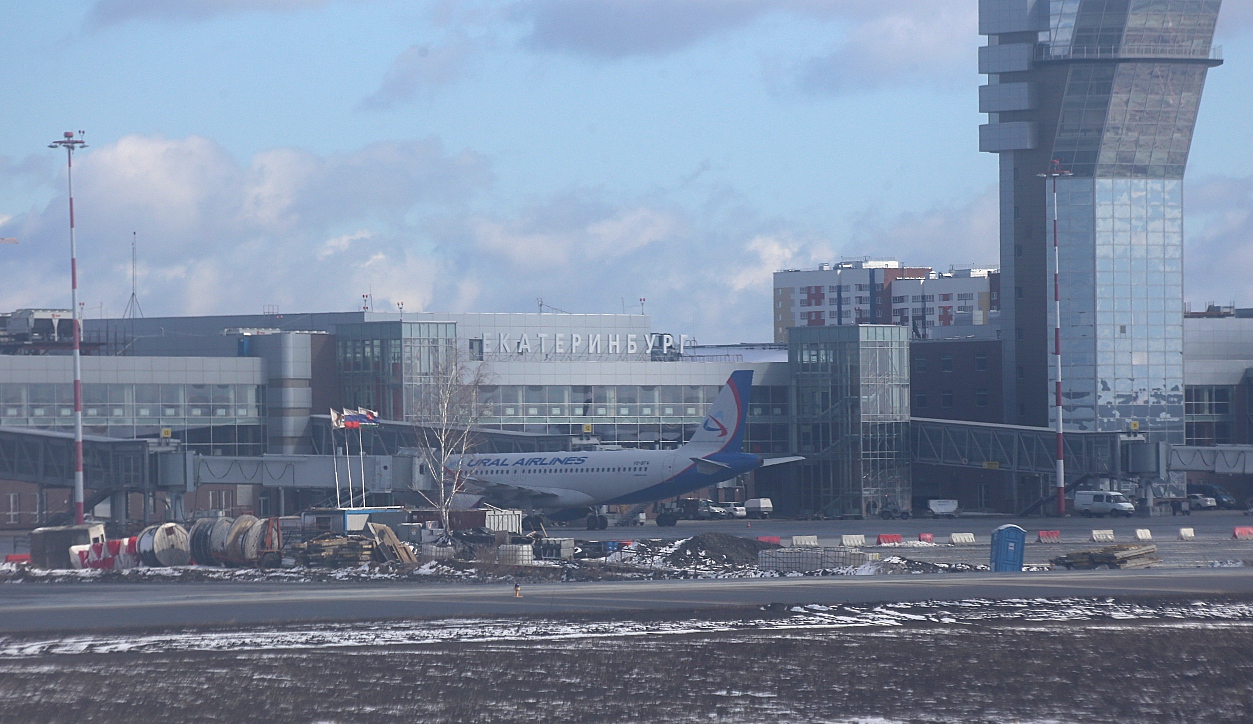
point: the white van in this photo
(1100, 502)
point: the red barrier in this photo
(885, 538)
(1242, 532)
(1049, 536)
(777, 540)
(926, 537)
(17, 558)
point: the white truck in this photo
(759, 507)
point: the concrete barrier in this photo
(770, 539)
(885, 538)
(1187, 534)
(961, 539)
(853, 541)
(1242, 532)
(1049, 536)
(1144, 535)
(926, 537)
(804, 541)
(1102, 536)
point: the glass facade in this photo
(851, 392)
(210, 419)
(1121, 244)
(1115, 88)
(382, 365)
(645, 416)
(1211, 414)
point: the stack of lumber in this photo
(1125, 556)
(388, 548)
(332, 550)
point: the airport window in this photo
(981, 398)
(946, 363)
(920, 364)
(981, 363)
(476, 350)
(946, 297)
(946, 398)
(920, 400)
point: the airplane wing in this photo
(512, 495)
(766, 462)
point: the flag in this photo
(337, 419)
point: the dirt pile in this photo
(717, 548)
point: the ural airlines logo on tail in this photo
(720, 429)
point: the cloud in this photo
(923, 41)
(932, 237)
(621, 28)
(107, 12)
(422, 69)
(287, 227)
(407, 221)
(1219, 242)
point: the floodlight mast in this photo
(1055, 171)
(71, 143)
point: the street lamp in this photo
(71, 144)
(1054, 172)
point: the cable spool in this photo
(147, 555)
(217, 539)
(171, 545)
(253, 542)
(235, 538)
(199, 537)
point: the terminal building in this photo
(228, 388)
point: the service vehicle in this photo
(1101, 503)
(759, 507)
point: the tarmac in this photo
(33, 607)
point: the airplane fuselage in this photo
(603, 477)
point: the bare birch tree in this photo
(443, 416)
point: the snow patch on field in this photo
(938, 615)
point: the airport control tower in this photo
(1110, 89)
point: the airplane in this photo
(559, 482)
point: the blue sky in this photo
(478, 155)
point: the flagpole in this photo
(361, 455)
(347, 463)
(335, 462)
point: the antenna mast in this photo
(133, 310)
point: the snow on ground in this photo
(961, 613)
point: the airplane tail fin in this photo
(723, 428)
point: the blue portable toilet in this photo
(1008, 544)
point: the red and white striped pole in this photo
(1054, 172)
(70, 144)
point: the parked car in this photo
(1221, 496)
(1196, 501)
(1101, 503)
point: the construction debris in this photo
(388, 547)
(331, 550)
(1124, 556)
